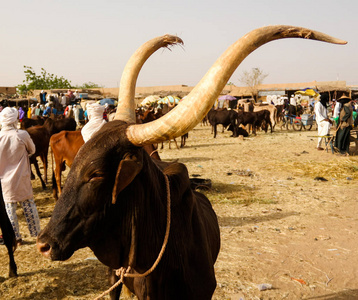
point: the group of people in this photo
(343, 118)
(62, 98)
(16, 147)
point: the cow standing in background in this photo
(273, 112)
(263, 119)
(29, 122)
(224, 117)
(55, 126)
(41, 138)
(64, 147)
(247, 119)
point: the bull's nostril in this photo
(44, 249)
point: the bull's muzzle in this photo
(44, 248)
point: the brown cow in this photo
(56, 126)
(272, 109)
(263, 119)
(247, 119)
(140, 216)
(224, 117)
(64, 147)
(27, 123)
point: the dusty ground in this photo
(278, 225)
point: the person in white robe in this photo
(15, 147)
(96, 121)
(336, 111)
(323, 122)
(76, 114)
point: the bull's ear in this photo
(128, 169)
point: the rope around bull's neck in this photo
(124, 272)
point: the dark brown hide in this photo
(85, 216)
(56, 126)
(263, 119)
(27, 123)
(224, 117)
(247, 118)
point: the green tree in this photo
(44, 81)
(88, 85)
(253, 79)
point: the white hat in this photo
(8, 116)
(95, 110)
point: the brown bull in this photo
(128, 208)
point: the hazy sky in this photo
(92, 40)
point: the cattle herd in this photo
(137, 213)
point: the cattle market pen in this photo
(279, 225)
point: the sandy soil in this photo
(279, 226)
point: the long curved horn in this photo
(126, 106)
(196, 105)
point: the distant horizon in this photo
(185, 85)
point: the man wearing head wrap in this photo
(96, 121)
(342, 140)
(323, 122)
(43, 96)
(48, 110)
(15, 147)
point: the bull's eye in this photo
(95, 176)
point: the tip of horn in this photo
(172, 39)
(341, 42)
(310, 34)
